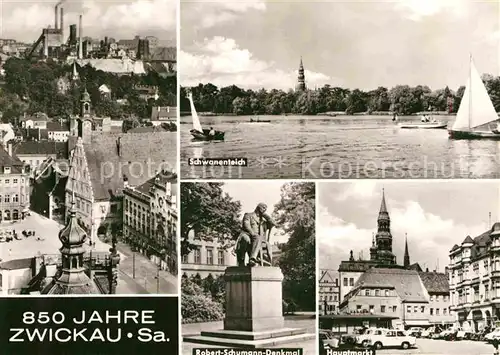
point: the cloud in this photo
(210, 13)
(430, 237)
(420, 9)
(24, 21)
(222, 62)
(359, 190)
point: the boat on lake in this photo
(476, 113)
(424, 125)
(198, 132)
(257, 120)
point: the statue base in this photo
(254, 311)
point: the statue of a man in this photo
(254, 227)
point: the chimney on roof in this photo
(119, 146)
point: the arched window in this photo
(15, 214)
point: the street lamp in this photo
(157, 277)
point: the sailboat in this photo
(198, 132)
(476, 112)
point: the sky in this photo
(251, 193)
(120, 19)
(435, 215)
(349, 43)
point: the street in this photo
(46, 241)
(145, 272)
(443, 347)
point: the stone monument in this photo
(254, 311)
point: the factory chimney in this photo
(56, 16)
(80, 39)
(61, 24)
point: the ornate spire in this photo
(301, 85)
(384, 253)
(407, 254)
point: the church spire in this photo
(407, 254)
(383, 238)
(301, 85)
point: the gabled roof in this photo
(57, 127)
(39, 116)
(407, 283)
(138, 159)
(435, 282)
(60, 149)
(468, 239)
(327, 276)
(10, 161)
(17, 264)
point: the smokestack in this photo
(56, 14)
(80, 44)
(62, 24)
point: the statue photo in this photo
(254, 238)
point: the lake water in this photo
(350, 147)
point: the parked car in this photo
(380, 338)
(495, 334)
(430, 333)
(328, 340)
(415, 332)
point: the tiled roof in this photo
(162, 179)
(326, 276)
(167, 54)
(415, 266)
(7, 161)
(435, 282)
(407, 283)
(39, 116)
(60, 149)
(468, 239)
(57, 127)
(140, 156)
(17, 264)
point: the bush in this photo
(200, 308)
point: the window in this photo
(431, 298)
(210, 256)
(372, 307)
(7, 181)
(367, 292)
(351, 282)
(437, 311)
(415, 309)
(7, 198)
(15, 198)
(220, 257)
(422, 309)
(394, 309)
(345, 281)
(408, 309)
(386, 293)
(197, 256)
(444, 311)
(382, 309)
(6, 169)
(358, 308)
(377, 292)
(14, 181)
(432, 311)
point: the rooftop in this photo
(407, 283)
(435, 282)
(13, 162)
(134, 156)
(60, 149)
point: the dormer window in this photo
(6, 169)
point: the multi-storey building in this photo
(208, 257)
(150, 219)
(14, 186)
(437, 286)
(328, 292)
(475, 279)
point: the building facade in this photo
(150, 219)
(14, 186)
(474, 276)
(208, 257)
(328, 285)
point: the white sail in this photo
(476, 108)
(194, 114)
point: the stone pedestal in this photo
(254, 312)
(253, 299)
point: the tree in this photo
(296, 214)
(208, 212)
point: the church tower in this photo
(383, 237)
(85, 122)
(407, 254)
(301, 85)
(72, 279)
